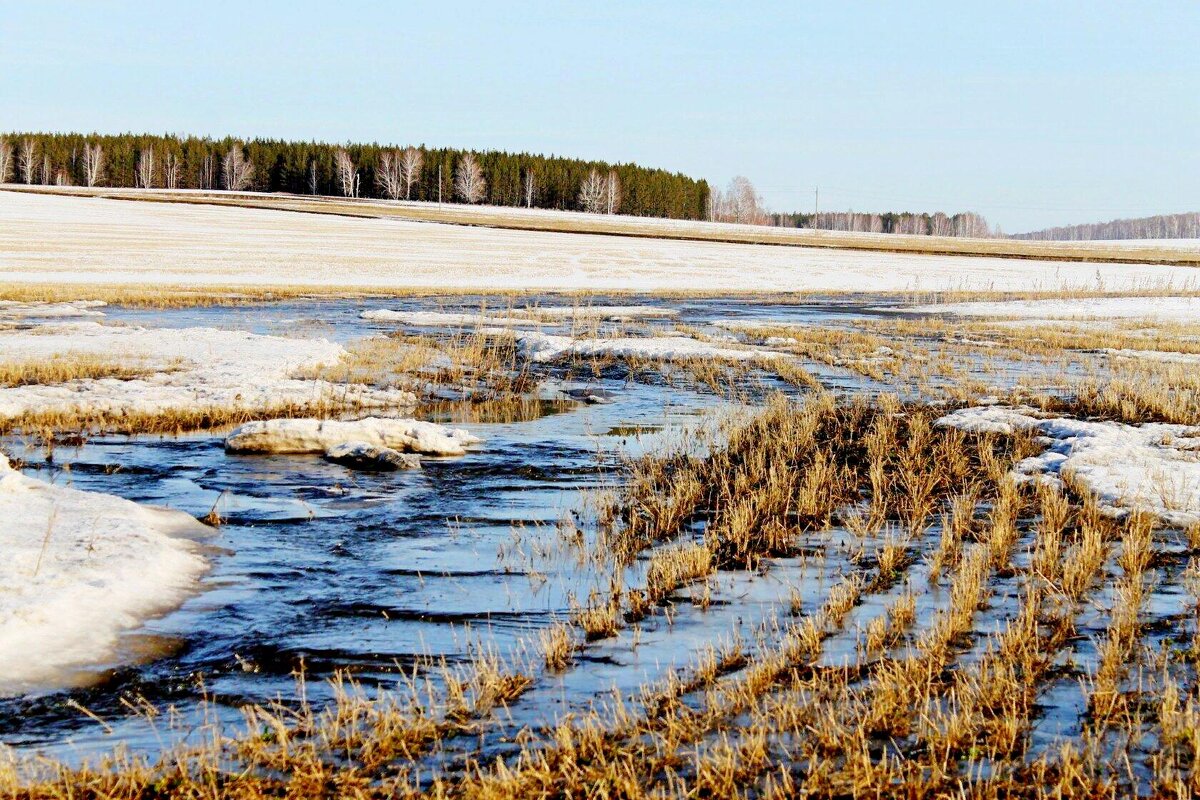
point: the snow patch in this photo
(1161, 309)
(13, 310)
(370, 458)
(1151, 467)
(196, 368)
(544, 347)
(80, 568)
(319, 436)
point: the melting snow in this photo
(198, 368)
(545, 347)
(1162, 309)
(79, 568)
(320, 436)
(1152, 467)
(12, 310)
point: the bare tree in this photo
(389, 179)
(93, 164)
(347, 175)
(208, 171)
(62, 178)
(591, 193)
(236, 171)
(312, 176)
(612, 192)
(6, 160)
(47, 170)
(410, 167)
(529, 187)
(27, 160)
(145, 168)
(468, 179)
(171, 171)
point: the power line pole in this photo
(816, 198)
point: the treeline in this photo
(1165, 226)
(936, 224)
(359, 170)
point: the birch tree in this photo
(468, 179)
(47, 170)
(208, 171)
(591, 193)
(347, 174)
(145, 168)
(93, 164)
(313, 183)
(27, 161)
(410, 167)
(6, 160)
(236, 171)
(171, 171)
(389, 178)
(529, 187)
(612, 192)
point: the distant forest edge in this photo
(350, 170)
(1164, 226)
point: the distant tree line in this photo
(936, 224)
(1166, 226)
(350, 170)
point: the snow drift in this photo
(320, 436)
(194, 368)
(1151, 467)
(80, 568)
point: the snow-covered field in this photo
(189, 369)
(1158, 309)
(78, 569)
(56, 239)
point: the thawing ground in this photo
(57, 239)
(177, 575)
(318, 568)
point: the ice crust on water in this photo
(544, 347)
(533, 315)
(319, 436)
(370, 458)
(79, 568)
(1153, 467)
(196, 368)
(439, 319)
(11, 310)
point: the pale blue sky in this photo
(1033, 113)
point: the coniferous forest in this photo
(275, 165)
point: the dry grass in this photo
(884, 686)
(65, 367)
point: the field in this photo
(48, 238)
(654, 517)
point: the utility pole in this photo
(816, 198)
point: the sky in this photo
(1030, 113)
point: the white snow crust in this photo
(78, 569)
(195, 368)
(46, 238)
(319, 436)
(544, 347)
(1151, 467)
(1159, 309)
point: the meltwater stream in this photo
(319, 568)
